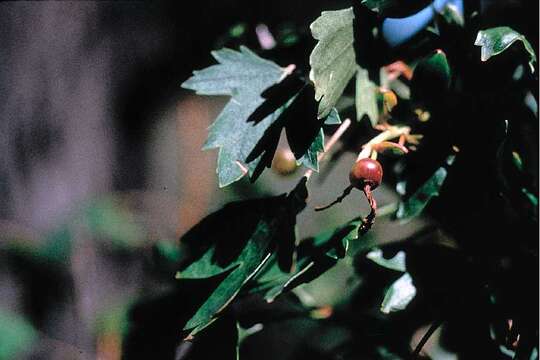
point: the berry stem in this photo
(346, 192)
(370, 219)
(331, 142)
(391, 132)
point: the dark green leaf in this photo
(315, 256)
(236, 242)
(221, 338)
(496, 40)
(530, 196)
(396, 8)
(416, 203)
(332, 60)
(244, 76)
(431, 79)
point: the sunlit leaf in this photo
(332, 60)
(399, 294)
(366, 97)
(265, 99)
(496, 40)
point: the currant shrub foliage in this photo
(465, 131)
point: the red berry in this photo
(366, 172)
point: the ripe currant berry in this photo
(366, 175)
(366, 172)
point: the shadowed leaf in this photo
(315, 256)
(236, 242)
(416, 203)
(244, 76)
(302, 128)
(396, 8)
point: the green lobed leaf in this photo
(333, 60)
(399, 294)
(315, 256)
(235, 243)
(495, 40)
(395, 8)
(244, 76)
(415, 204)
(264, 100)
(366, 97)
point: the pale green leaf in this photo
(333, 60)
(399, 294)
(496, 40)
(366, 97)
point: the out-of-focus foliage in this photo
(17, 335)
